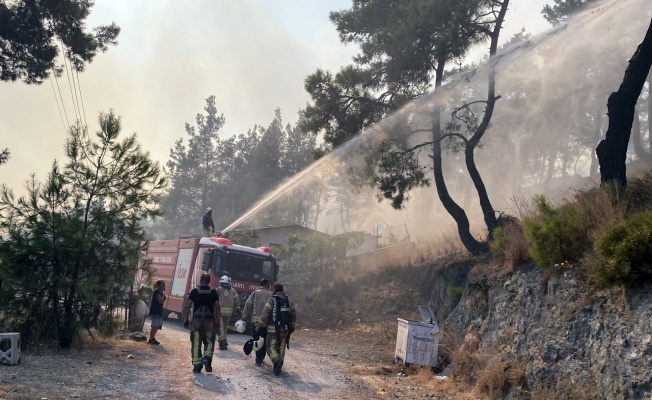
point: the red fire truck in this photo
(180, 263)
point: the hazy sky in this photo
(252, 55)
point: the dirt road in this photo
(124, 369)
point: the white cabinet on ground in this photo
(417, 342)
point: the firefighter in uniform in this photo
(205, 303)
(279, 316)
(229, 302)
(208, 227)
(253, 308)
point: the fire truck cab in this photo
(180, 263)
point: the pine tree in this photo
(70, 247)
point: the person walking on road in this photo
(208, 227)
(279, 316)
(156, 311)
(205, 303)
(229, 303)
(252, 310)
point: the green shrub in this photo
(509, 241)
(556, 235)
(454, 292)
(599, 209)
(499, 243)
(639, 193)
(625, 251)
(107, 323)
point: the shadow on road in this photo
(213, 383)
(291, 381)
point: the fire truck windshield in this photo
(245, 267)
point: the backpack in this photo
(203, 312)
(281, 315)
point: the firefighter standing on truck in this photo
(229, 302)
(205, 303)
(254, 307)
(279, 317)
(208, 227)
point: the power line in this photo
(61, 97)
(76, 87)
(65, 128)
(82, 97)
(72, 96)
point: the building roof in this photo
(296, 227)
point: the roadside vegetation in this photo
(70, 246)
(607, 235)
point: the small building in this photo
(276, 235)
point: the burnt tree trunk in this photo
(649, 112)
(474, 246)
(485, 203)
(621, 105)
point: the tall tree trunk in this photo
(488, 211)
(68, 330)
(552, 157)
(463, 227)
(593, 171)
(612, 150)
(649, 112)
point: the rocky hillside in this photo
(576, 341)
(523, 333)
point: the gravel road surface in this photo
(123, 369)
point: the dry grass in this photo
(426, 378)
(510, 241)
(451, 338)
(492, 381)
(444, 244)
(467, 363)
(401, 255)
(388, 331)
(481, 373)
(597, 211)
(516, 247)
(525, 208)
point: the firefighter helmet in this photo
(248, 346)
(225, 279)
(258, 344)
(240, 326)
(208, 210)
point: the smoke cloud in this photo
(542, 139)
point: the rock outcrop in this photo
(571, 334)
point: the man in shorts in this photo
(156, 311)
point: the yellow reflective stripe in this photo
(226, 310)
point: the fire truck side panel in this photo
(183, 267)
(163, 254)
(182, 275)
